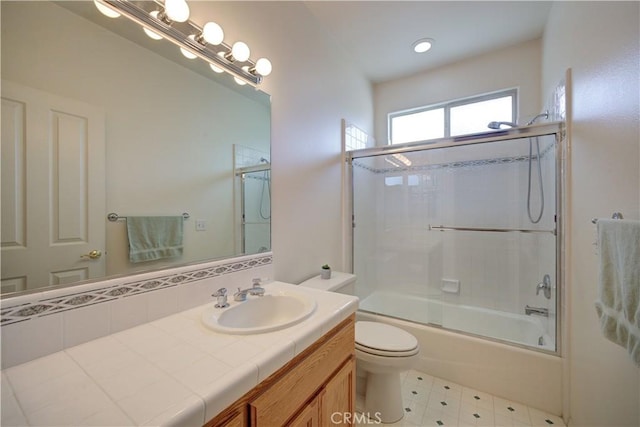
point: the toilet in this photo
(382, 353)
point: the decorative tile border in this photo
(456, 164)
(74, 300)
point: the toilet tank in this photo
(343, 283)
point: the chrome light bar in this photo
(178, 33)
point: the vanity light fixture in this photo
(211, 33)
(215, 68)
(239, 52)
(169, 19)
(263, 67)
(185, 52)
(176, 10)
(422, 45)
(147, 31)
(106, 11)
(398, 160)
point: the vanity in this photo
(178, 371)
(315, 388)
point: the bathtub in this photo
(512, 372)
(500, 325)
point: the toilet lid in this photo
(384, 340)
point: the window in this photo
(427, 124)
(460, 117)
(354, 137)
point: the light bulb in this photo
(212, 33)
(263, 67)
(240, 51)
(150, 33)
(106, 11)
(216, 69)
(176, 10)
(240, 81)
(186, 53)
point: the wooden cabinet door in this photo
(237, 421)
(235, 416)
(289, 394)
(308, 417)
(338, 398)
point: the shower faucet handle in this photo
(545, 286)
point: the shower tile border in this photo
(457, 164)
(43, 304)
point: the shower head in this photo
(498, 125)
(532, 121)
(263, 160)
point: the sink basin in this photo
(260, 314)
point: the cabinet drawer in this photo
(300, 384)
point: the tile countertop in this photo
(172, 372)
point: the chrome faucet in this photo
(221, 294)
(255, 289)
(540, 311)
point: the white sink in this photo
(260, 314)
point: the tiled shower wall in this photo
(42, 323)
(479, 186)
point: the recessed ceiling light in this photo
(422, 45)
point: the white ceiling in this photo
(378, 34)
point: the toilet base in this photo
(383, 396)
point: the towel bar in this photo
(616, 215)
(492, 230)
(114, 216)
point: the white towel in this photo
(618, 306)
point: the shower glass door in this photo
(461, 236)
(256, 211)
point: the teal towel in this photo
(154, 237)
(618, 306)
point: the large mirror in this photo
(97, 118)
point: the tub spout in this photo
(540, 311)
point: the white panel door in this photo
(53, 189)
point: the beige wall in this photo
(314, 85)
(599, 42)
(517, 66)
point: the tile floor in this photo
(431, 401)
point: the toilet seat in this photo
(384, 340)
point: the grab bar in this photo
(496, 230)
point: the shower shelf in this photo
(493, 230)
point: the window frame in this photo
(448, 105)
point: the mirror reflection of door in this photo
(53, 189)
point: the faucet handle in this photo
(221, 294)
(256, 282)
(545, 286)
(240, 295)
